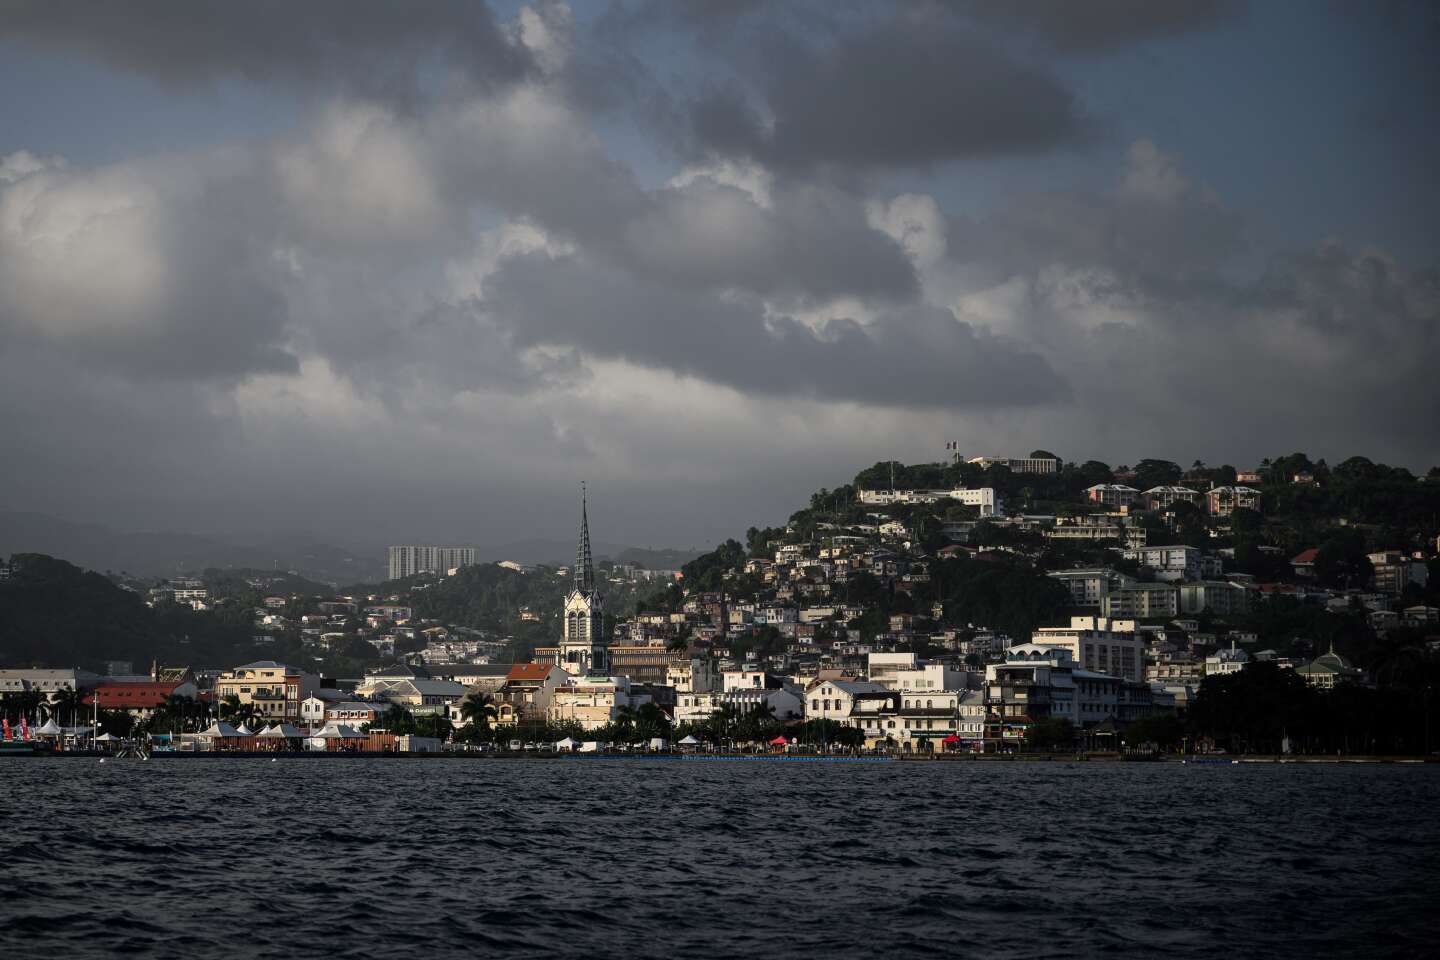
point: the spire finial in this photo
(584, 564)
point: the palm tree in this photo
(67, 702)
(478, 709)
(22, 703)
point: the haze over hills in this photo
(167, 554)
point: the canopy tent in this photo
(779, 742)
(657, 743)
(219, 729)
(244, 731)
(51, 729)
(952, 739)
(107, 738)
(282, 731)
(566, 744)
(337, 731)
(690, 741)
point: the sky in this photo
(409, 273)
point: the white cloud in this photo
(915, 222)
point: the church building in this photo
(584, 647)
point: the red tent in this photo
(951, 739)
(779, 742)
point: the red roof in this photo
(138, 694)
(1305, 556)
(528, 671)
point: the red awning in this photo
(951, 739)
(779, 742)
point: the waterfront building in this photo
(138, 698)
(275, 690)
(593, 701)
(833, 699)
(1098, 644)
(527, 692)
(46, 681)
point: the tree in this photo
(1163, 730)
(1158, 473)
(478, 710)
(1341, 561)
(68, 704)
(1051, 735)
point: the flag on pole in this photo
(5, 724)
(24, 729)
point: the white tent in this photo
(323, 738)
(51, 729)
(690, 742)
(281, 731)
(107, 738)
(657, 743)
(219, 729)
(337, 731)
(566, 744)
(244, 731)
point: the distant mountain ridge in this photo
(161, 554)
(562, 552)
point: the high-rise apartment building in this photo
(407, 561)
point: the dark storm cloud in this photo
(910, 91)
(371, 46)
(916, 356)
(1154, 226)
(812, 243)
(1098, 26)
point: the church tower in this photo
(584, 647)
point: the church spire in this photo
(584, 566)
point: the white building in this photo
(1112, 494)
(1221, 662)
(406, 561)
(1159, 498)
(1175, 562)
(1223, 501)
(882, 667)
(1142, 601)
(834, 699)
(932, 676)
(1098, 644)
(1091, 585)
(1018, 464)
(1220, 597)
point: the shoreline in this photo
(1206, 760)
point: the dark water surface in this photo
(586, 858)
